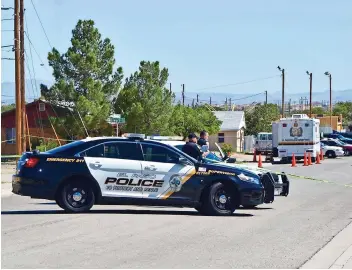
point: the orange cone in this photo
(255, 155)
(260, 163)
(309, 159)
(318, 159)
(321, 154)
(305, 159)
(293, 160)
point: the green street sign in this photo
(120, 120)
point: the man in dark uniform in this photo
(191, 148)
(203, 139)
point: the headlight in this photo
(247, 178)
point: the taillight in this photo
(31, 162)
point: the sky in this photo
(204, 43)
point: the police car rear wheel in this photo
(77, 197)
(219, 201)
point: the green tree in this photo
(145, 101)
(85, 81)
(344, 108)
(185, 120)
(259, 119)
(7, 107)
(315, 110)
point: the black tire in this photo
(330, 154)
(83, 192)
(249, 206)
(219, 200)
(59, 203)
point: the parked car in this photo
(331, 151)
(340, 137)
(347, 148)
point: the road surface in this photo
(285, 234)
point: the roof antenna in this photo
(83, 123)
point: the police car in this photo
(136, 171)
(281, 182)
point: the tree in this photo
(85, 81)
(344, 108)
(185, 120)
(260, 118)
(145, 102)
(315, 110)
(8, 107)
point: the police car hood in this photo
(223, 167)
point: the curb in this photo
(335, 254)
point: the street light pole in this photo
(310, 93)
(329, 74)
(283, 90)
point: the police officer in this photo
(192, 149)
(203, 139)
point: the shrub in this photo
(227, 148)
(45, 146)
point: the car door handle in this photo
(96, 164)
(150, 168)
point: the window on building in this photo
(221, 137)
(11, 135)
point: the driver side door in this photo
(166, 173)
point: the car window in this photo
(129, 151)
(96, 151)
(270, 137)
(156, 153)
(123, 151)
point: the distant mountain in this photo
(32, 90)
(219, 98)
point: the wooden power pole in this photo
(23, 91)
(310, 93)
(183, 94)
(283, 90)
(18, 120)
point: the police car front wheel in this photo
(219, 201)
(76, 197)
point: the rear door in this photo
(166, 174)
(117, 168)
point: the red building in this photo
(38, 113)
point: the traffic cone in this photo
(305, 159)
(318, 159)
(260, 163)
(255, 155)
(309, 159)
(293, 160)
(321, 154)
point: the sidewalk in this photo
(337, 254)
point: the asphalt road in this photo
(285, 234)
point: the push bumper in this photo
(252, 197)
(31, 188)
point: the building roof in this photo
(231, 120)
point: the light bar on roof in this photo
(135, 135)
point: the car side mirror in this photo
(231, 160)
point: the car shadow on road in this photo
(123, 212)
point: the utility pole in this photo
(170, 82)
(18, 119)
(310, 93)
(210, 101)
(266, 97)
(329, 74)
(283, 90)
(230, 105)
(183, 94)
(197, 98)
(23, 90)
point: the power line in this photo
(239, 83)
(40, 59)
(41, 24)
